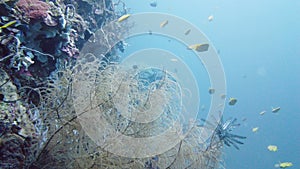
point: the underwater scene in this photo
(149, 84)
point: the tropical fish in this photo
(199, 47)
(284, 165)
(275, 110)
(255, 129)
(124, 17)
(164, 23)
(262, 113)
(272, 148)
(232, 101)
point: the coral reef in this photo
(39, 119)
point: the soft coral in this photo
(34, 9)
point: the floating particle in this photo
(275, 110)
(153, 4)
(272, 148)
(284, 165)
(187, 32)
(232, 101)
(199, 47)
(262, 112)
(210, 18)
(255, 129)
(124, 17)
(211, 90)
(164, 23)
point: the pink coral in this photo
(33, 9)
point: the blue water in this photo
(259, 46)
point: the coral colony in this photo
(39, 63)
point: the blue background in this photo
(259, 45)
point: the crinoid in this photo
(222, 133)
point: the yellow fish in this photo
(284, 165)
(232, 101)
(124, 17)
(272, 148)
(255, 129)
(275, 110)
(164, 23)
(262, 113)
(199, 47)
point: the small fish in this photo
(262, 113)
(211, 90)
(199, 47)
(275, 110)
(124, 17)
(187, 32)
(174, 60)
(210, 18)
(153, 4)
(232, 101)
(255, 129)
(164, 23)
(272, 148)
(284, 165)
